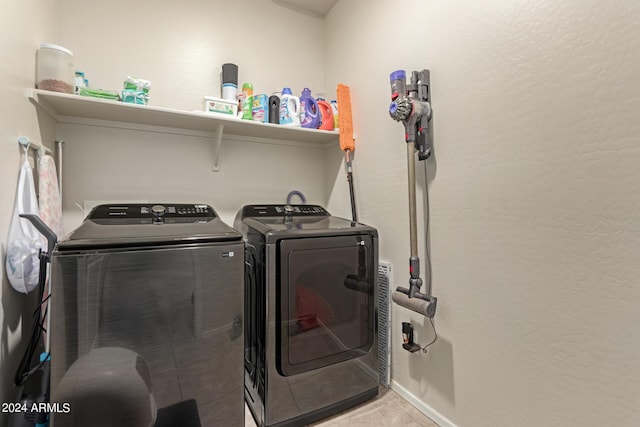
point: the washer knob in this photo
(288, 214)
(158, 210)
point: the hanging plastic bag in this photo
(24, 242)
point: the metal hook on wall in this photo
(25, 143)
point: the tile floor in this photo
(387, 409)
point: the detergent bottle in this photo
(326, 115)
(334, 108)
(289, 108)
(309, 113)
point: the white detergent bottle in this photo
(289, 108)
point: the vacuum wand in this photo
(411, 105)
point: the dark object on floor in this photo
(184, 414)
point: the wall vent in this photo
(384, 323)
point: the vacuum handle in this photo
(48, 233)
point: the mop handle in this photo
(354, 213)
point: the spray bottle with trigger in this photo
(411, 105)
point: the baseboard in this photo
(421, 406)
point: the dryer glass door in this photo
(325, 301)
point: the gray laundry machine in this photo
(311, 313)
(148, 297)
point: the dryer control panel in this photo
(146, 213)
(257, 211)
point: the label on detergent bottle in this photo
(310, 116)
(285, 116)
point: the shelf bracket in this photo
(216, 148)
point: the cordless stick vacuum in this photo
(411, 105)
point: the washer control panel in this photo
(149, 213)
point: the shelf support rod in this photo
(216, 148)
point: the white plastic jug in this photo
(289, 108)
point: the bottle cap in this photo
(56, 47)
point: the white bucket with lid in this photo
(54, 68)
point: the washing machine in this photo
(147, 312)
(310, 343)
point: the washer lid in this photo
(126, 225)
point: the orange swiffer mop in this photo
(347, 143)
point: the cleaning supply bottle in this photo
(326, 115)
(334, 107)
(260, 109)
(309, 113)
(247, 102)
(229, 78)
(289, 108)
(274, 109)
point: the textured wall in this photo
(535, 225)
(535, 229)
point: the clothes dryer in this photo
(311, 309)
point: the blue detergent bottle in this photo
(310, 113)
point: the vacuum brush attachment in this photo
(421, 304)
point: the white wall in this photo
(23, 26)
(180, 47)
(535, 225)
